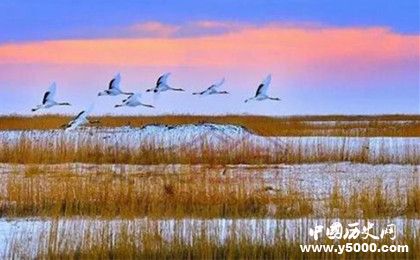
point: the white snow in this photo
(32, 233)
(194, 135)
(315, 180)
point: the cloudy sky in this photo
(325, 57)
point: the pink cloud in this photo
(272, 47)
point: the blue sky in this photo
(40, 20)
(326, 57)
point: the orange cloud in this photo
(273, 47)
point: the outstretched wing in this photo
(81, 118)
(259, 90)
(263, 87)
(127, 98)
(209, 88)
(111, 84)
(115, 82)
(84, 113)
(215, 86)
(132, 98)
(220, 83)
(163, 79)
(267, 80)
(50, 94)
(80, 115)
(76, 121)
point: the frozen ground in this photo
(315, 180)
(132, 137)
(32, 233)
(194, 135)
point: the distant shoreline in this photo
(311, 125)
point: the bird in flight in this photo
(261, 93)
(114, 88)
(162, 85)
(213, 89)
(133, 101)
(80, 119)
(48, 100)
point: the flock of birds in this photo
(133, 99)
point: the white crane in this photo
(133, 101)
(261, 93)
(48, 100)
(213, 89)
(114, 88)
(80, 119)
(162, 85)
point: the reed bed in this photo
(130, 240)
(330, 125)
(88, 147)
(198, 194)
(136, 195)
(193, 194)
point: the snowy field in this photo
(32, 233)
(194, 135)
(189, 134)
(315, 180)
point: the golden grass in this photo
(375, 203)
(380, 125)
(191, 194)
(152, 195)
(127, 241)
(194, 193)
(87, 148)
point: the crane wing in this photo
(132, 98)
(215, 86)
(220, 83)
(115, 82)
(263, 87)
(80, 115)
(50, 94)
(163, 79)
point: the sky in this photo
(325, 57)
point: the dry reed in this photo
(330, 125)
(150, 241)
(87, 148)
(191, 194)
